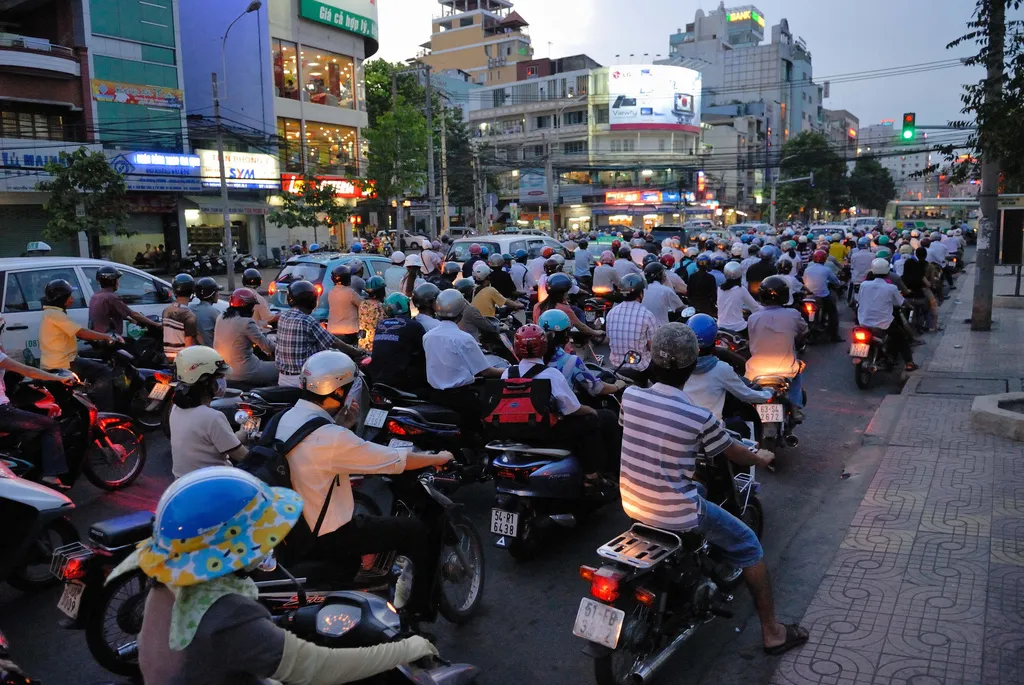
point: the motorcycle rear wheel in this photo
(459, 600)
(127, 471)
(149, 420)
(614, 667)
(115, 621)
(33, 574)
(753, 515)
(862, 376)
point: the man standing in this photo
(107, 311)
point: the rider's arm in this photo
(489, 372)
(142, 320)
(252, 330)
(87, 334)
(735, 386)
(303, 663)
(738, 454)
(9, 364)
(749, 303)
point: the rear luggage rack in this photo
(641, 546)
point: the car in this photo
(699, 225)
(317, 268)
(827, 230)
(24, 278)
(660, 233)
(740, 229)
(507, 243)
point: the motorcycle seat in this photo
(519, 448)
(392, 393)
(123, 530)
(435, 413)
(278, 394)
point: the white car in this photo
(508, 243)
(24, 278)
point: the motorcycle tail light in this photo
(272, 288)
(161, 377)
(810, 307)
(861, 335)
(319, 289)
(645, 597)
(377, 399)
(395, 428)
(605, 584)
(587, 573)
(74, 569)
(519, 475)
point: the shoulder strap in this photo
(327, 503)
(270, 432)
(303, 432)
(535, 371)
(513, 371)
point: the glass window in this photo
(332, 148)
(286, 71)
(289, 144)
(25, 288)
(459, 251)
(328, 78)
(132, 288)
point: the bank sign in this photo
(23, 164)
(355, 16)
(157, 171)
(248, 170)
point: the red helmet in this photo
(531, 342)
(546, 252)
(668, 261)
(243, 297)
(474, 249)
(819, 256)
(616, 245)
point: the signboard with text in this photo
(23, 162)
(533, 186)
(654, 97)
(157, 171)
(343, 187)
(355, 16)
(250, 170)
(132, 94)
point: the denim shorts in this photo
(737, 542)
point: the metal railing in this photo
(11, 40)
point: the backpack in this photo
(268, 459)
(519, 407)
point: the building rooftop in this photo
(470, 5)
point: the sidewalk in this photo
(927, 587)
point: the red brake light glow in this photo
(605, 585)
(319, 289)
(395, 428)
(74, 569)
(860, 335)
(272, 288)
(161, 377)
(810, 307)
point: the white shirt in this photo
(677, 283)
(746, 264)
(536, 268)
(431, 261)
(637, 254)
(624, 267)
(561, 392)
(453, 357)
(860, 264)
(937, 253)
(520, 277)
(708, 388)
(660, 300)
(429, 323)
(795, 286)
(606, 279)
(877, 298)
(731, 304)
(393, 278)
(328, 452)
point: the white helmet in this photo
(326, 371)
(732, 271)
(737, 249)
(558, 258)
(958, 232)
(397, 257)
(194, 363)
(936, 235)
(691, 252)
(802, 239)
(414, 260)
(880, 267)
(667, 250)
(481, 272)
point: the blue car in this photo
(317, 268)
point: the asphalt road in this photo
(524, 632)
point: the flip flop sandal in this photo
(795, 637)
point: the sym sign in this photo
(654, 97)
(250, 170)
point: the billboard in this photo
(533, 186)
(654, 97)
(355, 16)
(250, 170)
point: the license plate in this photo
(71, 598)
(159, 391)
(771, 413)
(590, 316)
(397, 444)
(598, 623)
(504, 522)
(375, 418)
(859, 349)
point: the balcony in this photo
(31, 55)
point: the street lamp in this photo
(550, 170)
(229, 243)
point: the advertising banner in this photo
(250, 170)
(157, 171)
(646, 97)
(343, 187)
(131, 94)
(23, 162)
(354, 16)
(533, 186)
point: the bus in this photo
(937, 214)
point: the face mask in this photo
(222, 387)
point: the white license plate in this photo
(598, 623)
(859, 349)
(590, 316)
(159, 391)
(504, 522)
(396, 443)
(375, 418)
(771, 413)
(71, 598)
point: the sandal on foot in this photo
(795, 637)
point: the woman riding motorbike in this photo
(558, 286)
(235, 335)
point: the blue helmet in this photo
(863, 242)
(554, 321)
(315, 247)
(521, 254)
(357, 248)
(704, 259)
(484, 251)
(706, 329)
(746, 238)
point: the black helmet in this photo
(784, 266)
(107, 276)
(774, 290)
(183, 285)
(649, 259)
(57, 293)
(559, 284)
(654, 271)
(632, 286)
(582, 244)
(252, 278)
(206, 288)
(551, 267)
(624, 252)
(521, 255)
(466, 286)
(424, 295)
(341, 275)
(302, 294)
(451, 270)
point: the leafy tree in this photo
(398, 151)
(806, 153)
(84, 179)
(460, 161)
(315, 204)
(378, 88)
(871, 185)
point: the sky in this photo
(843, 38)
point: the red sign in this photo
(622, 196)
(345, 188)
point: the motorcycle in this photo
(141, 393)
(870, 353)
(815, 316)
(251, 411)
(776, 415)
(655, 587)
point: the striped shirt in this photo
(663, 433)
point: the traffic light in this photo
(909, 126)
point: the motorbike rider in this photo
(878, 298)
(606, 278)
(820, 281)
(201, 435)
(761, 269)
(660, 298)
(796, 287)
(202, 617)
(521, 278)
(751, 259)
(475, 255)
(343, 306)
(774, 333)
(689, 264)
(394, 274)
(299, 335)
(235, 336)
(107, 311)
(450, 273)
(500, 279)
(938, 252)
(733, 300)
(630, 326)
(412, 277)
(559, 288)
(557, 325)
(624, 264)
(207, 292)
(253, 279)
(398, 358)
(431, 257)
(702, 288)
(356, 268)
(423, 299)
(486, 297)
(371, 311)
(663, 433)
(472, 321)
(672, 277)
(860, 264)
(178, 321)
(582, 264)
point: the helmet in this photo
(668, 261)
(398, 257)
(703, 237)
(649, 259)
(326, 371)
(884, 253)
(616, 244)
(880, 267)
(560, 259)
(497, 260)
(375, 285)
(788, 245)
(936, 235)
(926, 242)
(915, 234)
(958, 232)
(481, 272)
(674, 347)
(718, 261)
(950, 232)
(654, 272)
(197, 363)
(819, 257)
(355, 266)
(357, 248)
(107, 276)
(396, 304)
(434, 245)
(414, 260)
(704, 259)
(802, 239)
(252, 278)
(632, 286)
(733, 271)
(691, 252)
(314, 247)
(705, 328)
(530, 342)
(905, 233)
(547, 252)
(521, 255)
(206, 289)
(785, 266)
(242, 297)
(737, 249)
(341, 275)
(863, 242)
(558, 284)
(551, 267)
(213, 522)
(423, 296)
(554, 321)
(623, 253)
(484, 251)
(449, 305)
(906, 249)
(302, 294)
(774, 290)
(183, 285)
(466, 287)
(607, 257)
(834, 238)
(451, 270)
(766, 252)
(883, 240)
(745, 238)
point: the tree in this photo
(84, 180)
(871, 185)
(378, 88)
(314, 204)
(398, 151)
(806, 153)
(460, 161)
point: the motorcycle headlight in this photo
(334, 620)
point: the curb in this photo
(989, 416)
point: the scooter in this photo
(776, 415)
(870, 353)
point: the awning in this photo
(213, 205)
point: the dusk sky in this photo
(843, 38)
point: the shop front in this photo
(576, 218)
(249, 176)
(348, 192)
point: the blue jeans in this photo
(739, 545)
(796, 391)
(38, 429)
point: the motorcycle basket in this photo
(67, 558)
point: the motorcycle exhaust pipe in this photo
(646, 671)
(792, 441)
(129, 651)
(564, 520)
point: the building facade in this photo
(842, 129)
(906, 161)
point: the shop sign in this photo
(250, 170)
(24, 165)
(670, 196)
(132, 94)
(343, 187)
(157, 171)
(647, 197)
(533, 186)
(355, 16)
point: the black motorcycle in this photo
(871, 352)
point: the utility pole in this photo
(476, 189)
(549, 174)
(431, 184)
(398, 149)
(229, 242)
(988, 198)
(445, 224)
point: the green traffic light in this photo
(907, 135)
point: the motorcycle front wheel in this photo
(462, 572)
(116, 458)
(114, 623)
(33, 573)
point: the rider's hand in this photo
(620, 384)
(765, 458)
(68, 380)
(416, 648)
(444, 457)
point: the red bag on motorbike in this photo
(519, 407)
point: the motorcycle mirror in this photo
(633, 357)
(267, 563)
(688, 313)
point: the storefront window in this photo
(289, 144)
(332, 149)
(361, 85)
(328, 78)
(286, 73)
(206, 232)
